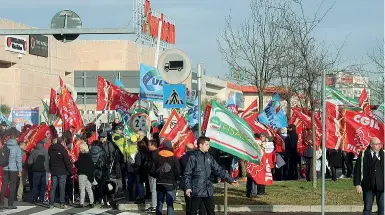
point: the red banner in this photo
(359, 129)
(112, 97)
(262, 174)
(253, 107)
(52, 103)
(35, 135)
(179, 136)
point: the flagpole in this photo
(199, 80)
(323, 141)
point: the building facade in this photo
(349, 83)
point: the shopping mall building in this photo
(31, 65)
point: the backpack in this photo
(4, 156)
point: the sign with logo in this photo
(16, 44)
(22, 115)
(151, 84)
(140, 122)
(150, 25)
(174, 96)
(174, 66)
(38, 45)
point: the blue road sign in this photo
(174, 96)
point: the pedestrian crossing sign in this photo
(174, 96)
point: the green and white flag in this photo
(338, 98)
(379, 113)
(231, 134)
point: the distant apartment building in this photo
(349, 83)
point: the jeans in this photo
(170, 198)
(85, 185)
(131, 179)
(39, 185)
(152, 185)
(140, 191)
(61, 181)
(309, 164)
(9, 177)
(368, 197)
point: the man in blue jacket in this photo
(199, 167)
(13, 170)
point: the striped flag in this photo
(234, 171)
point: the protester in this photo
(334, 161)
(22, 181)
(197, 177)
(121, 164)
(140, 166)
(39, 165)
(60, 167)
(369, 176)
(85, 167)
(13, 170)
(153, 150)
(291, 153)
(167, 171)
(182, 185)
(109, 149)
(99, 159)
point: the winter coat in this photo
(291, 142)
(334, 158)
(99, 158)
(369, 173)
(15, 160)
(59, 162)
(167, 171)
(141, 167)
(110, 151)
(85, 166)
(199, 167)
(153, 156)
(183, 163)
(38, 160)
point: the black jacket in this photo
(99, 158)
(85, 166)
(291, 142)
(372, 173)
(154, 155)
(167, 171)
(141, 167)
(183, 163)
(198, 171)
(59, 162)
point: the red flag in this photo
(359, 129)
(179, 136)
(334, 126)
(36, 135)
(234, 171)
(52, 103)
(112, 97)
(364, 103)
(253, 107)
(206, 117)
(261, 173)
(68, 110)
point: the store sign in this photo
(38, 45)
(150, 25)
(16, 44)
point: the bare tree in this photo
(314, 56)
(255, 47)
(376, 82)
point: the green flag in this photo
(230, 133)
(338, 98)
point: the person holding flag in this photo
(197, 175)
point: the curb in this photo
(260, 208)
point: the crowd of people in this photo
(149, 172)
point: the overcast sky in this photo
(198, 23)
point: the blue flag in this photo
(119, 83)
(192, 115)
(273, 115)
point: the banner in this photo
(22, 115)
(253, 107)
(150, 83)
(360, 128)
(261, 173)
(231, 134)
(338, 98)
(273, 114)
(112, 97)
(379, 113)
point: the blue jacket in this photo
(198, 172)
(15, 163)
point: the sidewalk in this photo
(260, 208)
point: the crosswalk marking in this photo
(49, 211)
(19, 209)
(94, 211)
